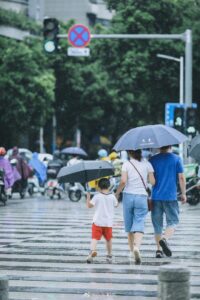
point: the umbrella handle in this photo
(87, 187)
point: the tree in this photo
(145, 83)
(27, 90)
(123, 84)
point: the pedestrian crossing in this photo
(44, 244)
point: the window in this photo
(97, 1)
(91, 19)
(103, 22)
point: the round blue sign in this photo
(79, 35)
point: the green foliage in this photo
(151, 81)
(18, 20)
(26, 83)
(121, 85)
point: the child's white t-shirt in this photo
(104, 209)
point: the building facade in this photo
(87, 12)
(16, 5)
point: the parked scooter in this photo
(52, 187)
(192, 184)
(3, 196)
(75, 191)
(34, 186)
(193, 191)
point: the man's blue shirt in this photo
(166, 166)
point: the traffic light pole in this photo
(185, 37)
(182, 149)
(188, 67)
(181, 74)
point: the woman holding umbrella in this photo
(135, 174)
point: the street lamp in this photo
(181, 91)
(181, 78)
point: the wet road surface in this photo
(44, 244)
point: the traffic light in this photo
(191, 120)
(179, 117)
(50, 34)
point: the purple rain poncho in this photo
(8, 172)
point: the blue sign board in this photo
(169, 112)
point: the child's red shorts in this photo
(98, 232)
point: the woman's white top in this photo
(134, 183)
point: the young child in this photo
(103, 202)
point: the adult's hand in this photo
(183, 198)
(117, 196)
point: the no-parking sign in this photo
(79, 36)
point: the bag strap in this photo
(139, 174)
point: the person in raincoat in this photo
(39, 168)
(116, 162)
(16, 174)
(23, 169)
(8, 173)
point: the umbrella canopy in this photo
(195, 148)
(149, 136)
(85, 171)
(74, 150)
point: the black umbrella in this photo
(85, 171)
(194, 150)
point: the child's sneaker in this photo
(90, 257)
(109, 259)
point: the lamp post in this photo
(181, 77)
(181, 90)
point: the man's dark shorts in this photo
(171, 210)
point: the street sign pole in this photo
(185, 37)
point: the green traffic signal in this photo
(49, 46)
(50, 34)
(191, 120)
(179, 117)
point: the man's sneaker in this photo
(159, 254)
(90, 257)
(109, 259)
(137, 256)
(165, 247)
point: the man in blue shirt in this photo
(168, 169)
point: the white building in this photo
(87, 12)
(17, 5)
